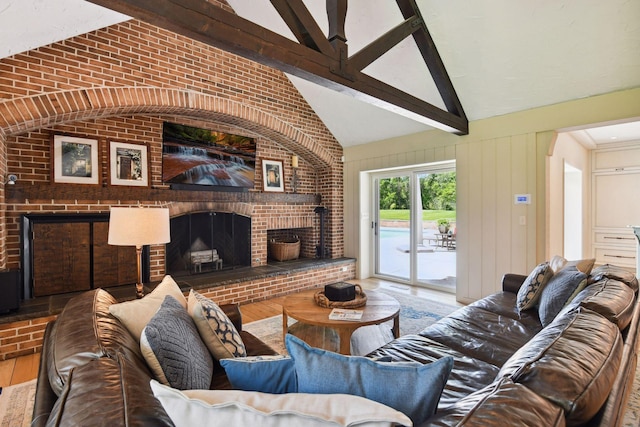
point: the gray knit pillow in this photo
(172, 347)
(560, 290)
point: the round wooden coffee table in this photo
(379, 309)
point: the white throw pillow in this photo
(250, 408)
(584, 265)
(136, 314)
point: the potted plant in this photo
(443, 225)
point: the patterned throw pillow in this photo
(173, 349)
(532, 287)
(216, 329)
(561, 289)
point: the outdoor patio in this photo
(436, 257)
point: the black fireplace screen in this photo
(208, 241)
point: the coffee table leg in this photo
(345, 340)
(396, 326)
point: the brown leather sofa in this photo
(508, 369)
(92, 372)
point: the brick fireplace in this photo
(120, 84)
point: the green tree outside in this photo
(438, 194)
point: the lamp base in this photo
(139, 286)
(139, 290)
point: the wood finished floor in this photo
(25, 368)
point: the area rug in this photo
(415, 315)
(16, 404)
(632, 413)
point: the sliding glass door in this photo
(392, 226)
(414, 225)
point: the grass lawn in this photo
(403, 215)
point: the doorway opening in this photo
(414, 227)
(572, 212)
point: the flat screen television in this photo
(198, 159)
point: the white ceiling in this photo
(502, 55)
(599, 135)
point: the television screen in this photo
(200, 157)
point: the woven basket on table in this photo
(359, 301)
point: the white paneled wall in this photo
(500, 157)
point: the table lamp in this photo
(138, 227)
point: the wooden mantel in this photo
(21, 192)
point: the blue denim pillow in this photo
(409, 387)
(267, 374)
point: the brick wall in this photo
(120, 83)
(22, 338)
(25, 337)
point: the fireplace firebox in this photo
(208, 241)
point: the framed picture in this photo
(128, 164)
(75, 160)
(272, 175)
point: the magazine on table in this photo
(345, 314)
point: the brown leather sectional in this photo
(92, 372)
(508, 369)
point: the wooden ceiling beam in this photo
(432, 58)
(384, 43)
(210, 24)
(301, 23)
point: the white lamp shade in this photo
(138, 226)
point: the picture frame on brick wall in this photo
(272, 175)
(75, 160)
(128, 164)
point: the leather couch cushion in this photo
(120, 393)
(572, 362)
(614, 272)
(481, 334)
(468, 374)
(500, 404)
(611, 298)
(504, 304)
(84, 331)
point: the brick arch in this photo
(178, 209)
(30, 113)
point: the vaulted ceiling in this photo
(501, 56)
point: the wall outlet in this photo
(344, 268)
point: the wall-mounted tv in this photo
(195, 158)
